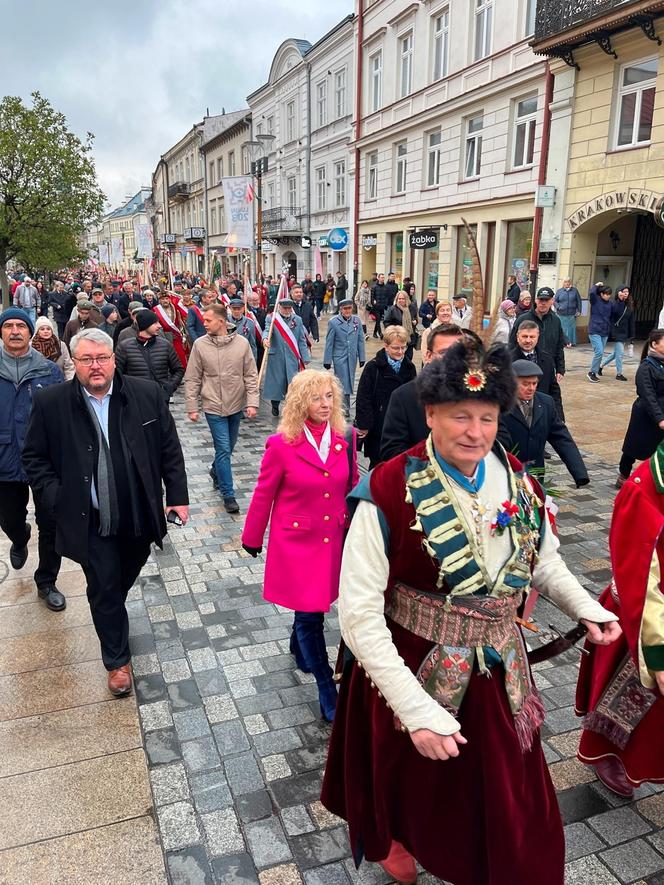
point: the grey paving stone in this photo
(289, 716)
(277, 741)
(275, 767)
(202, 659)
(220, 708)
(234, 869)
(296, 820)
(142, 665)
(169, 648)
(230, 737)
(633, 860)
(200, 754)
(184, 695)
(619, 825)
(332, 874)
(581, 841)
(222, 832)
(564, 719)
(162, 746)
(210, 682)
(190, 866)
(254, 806)
(191, 724)
(169, 783)
(178, 825)
(150, 688)
(243, 774)
(155, 716)
(318, 848)
(259, 703)
(210, 791)
(267, 842)
(176, 671)
(300, 788)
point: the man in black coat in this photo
(62, 304)
(392, 288)
(150, 355)
(96, 452)
(305, 311)
(405, 423)
(380, 301)
(532, 422)
(527, 348)
(513, 291)
(552, 338)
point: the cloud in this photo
(140, 73)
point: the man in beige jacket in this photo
(221, 379)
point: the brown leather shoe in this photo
(612, 774)
(400, 865)
(119, 681)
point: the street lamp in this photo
(259, 149)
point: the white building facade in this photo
(451, 118)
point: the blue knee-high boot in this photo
(311, 640)
(294, 647)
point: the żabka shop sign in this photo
(626, 198)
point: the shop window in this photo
(636, 100)
(464, 262)
(519, 247)
(321, 189)
(441, 44)
(400, 167)
(483, 28)
(525, 121)
(406, 64)
(321, 102)
(396, 256)
(473, 153)
(531, 14)
(376, 67)
(433, 141)
(372, 175)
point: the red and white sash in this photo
(166, 322)
(196, 309)
(283, 327)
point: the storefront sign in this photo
(322, 241)
(369, 242)
(545, 196)
(337, 238)
(305, 242)
(423, 239)
(625, 198)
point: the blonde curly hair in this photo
(301, 391)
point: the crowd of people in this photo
(430, 554)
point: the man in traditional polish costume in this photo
(435, 754)
(620, 688)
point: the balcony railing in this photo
(282, 220)
(577, 21)
(179, 190)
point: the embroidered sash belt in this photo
(463, 630)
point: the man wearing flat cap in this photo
(86, 318)
(430, 759)
(533, 422)
(288, 353)
(344, 348)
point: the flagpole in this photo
(266, 347)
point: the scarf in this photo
(320, 437)
(395, 365)
(407, 320)
(107, 498)
(48, 347)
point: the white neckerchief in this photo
(325, 442)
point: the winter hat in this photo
(15, 313)
(135, 305)
(506, 304)
(107, 310)
(145, 318)
(45, 321)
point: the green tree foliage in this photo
(48, 187)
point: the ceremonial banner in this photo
(143, 239)
(238, 201)
(117, 250)
(104, 257)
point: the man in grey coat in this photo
(26, 297)
(288, 353)
(344, 348)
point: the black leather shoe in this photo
(52, 597)
(275, 411)
(231, 505)
(18, 555)
(213, 477)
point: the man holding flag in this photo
(286, 345)
(243, 325)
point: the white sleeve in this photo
(553, 579)
(364, 575)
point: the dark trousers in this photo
(378, 312)
(114, 564)
(308, 646)
(13, 515)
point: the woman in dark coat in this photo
(403, 313)
(382, 375)
(622, 330)
(646, 423)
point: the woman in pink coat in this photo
(306, 473)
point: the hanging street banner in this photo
(238, 201)
(104, 257)
(117, 250)
(143, 240)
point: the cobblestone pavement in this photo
(231, 730)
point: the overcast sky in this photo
(140, 73)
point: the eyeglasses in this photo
(89, 360)
(400, 347)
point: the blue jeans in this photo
(569, 328)
(599, 343)
(224, 432)
(617, 355)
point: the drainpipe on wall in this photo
(358, 133)
(307, 252)
(541, 178)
